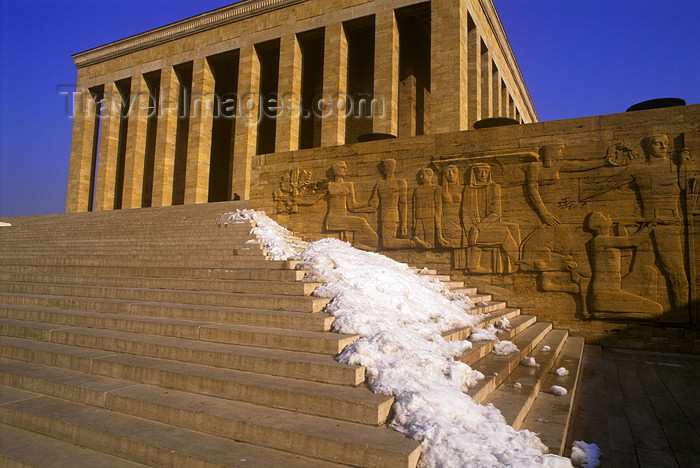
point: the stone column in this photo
(335, 84)
(449, 105)
(505, 110)
(110, 121)
(82, 150)
(166, 135)
(289, 94)
(246, 138)
(386, 73)
(495, 90)
(200, 130)
(474, 75)
(486, 84)
(136, 143)
(407, 103)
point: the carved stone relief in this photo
(658, 181)
(426, 209)
(607, 299)
(483, 227)
(389, 198)
(620, 154)
(341, 201)
(613, 275)
(296, 188)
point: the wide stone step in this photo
(550, 414)
(140, 260)
(487, 307)
(218, 314)
(354, 404)
(147, 238)
(252, 300)
(216, 236)
(23, 342)
(290, 288)
(68, 235)
(154, 257)
(518, 323)
(135, 438)
(515, 402)
(464, 333)
(134, 262)
(105, 248)
(497, 368)
(24, 448)
(294, 340)
(229, 274)
(242, 241)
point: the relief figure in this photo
(658, 182)
(450, 225)
(546, 171)
(451, 200)
(606, 298)
(483, 227)
(425, 209)
(341, 200)
(543, 252)
(389, 197)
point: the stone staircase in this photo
(155, 337)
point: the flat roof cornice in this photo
(186, 27)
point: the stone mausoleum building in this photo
(356, 119)
(135, 328)
(188, 107)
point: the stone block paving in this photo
(641, 408)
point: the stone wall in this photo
(587, 222)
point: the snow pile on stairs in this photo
(400, 316)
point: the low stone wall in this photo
(589, 222)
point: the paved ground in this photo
(641, 408)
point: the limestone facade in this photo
(176, 115)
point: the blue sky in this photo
(578, 58)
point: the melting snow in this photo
(530, 362)
(401, 316)
(557, 390)
(562, 371)
(504, 348)
(585, 455)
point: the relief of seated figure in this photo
(483, 227)
(341, 200)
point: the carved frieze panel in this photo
(612, 224)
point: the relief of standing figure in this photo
(658, 182)
(426, 211)
(389, 197)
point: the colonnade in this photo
(150, 139)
